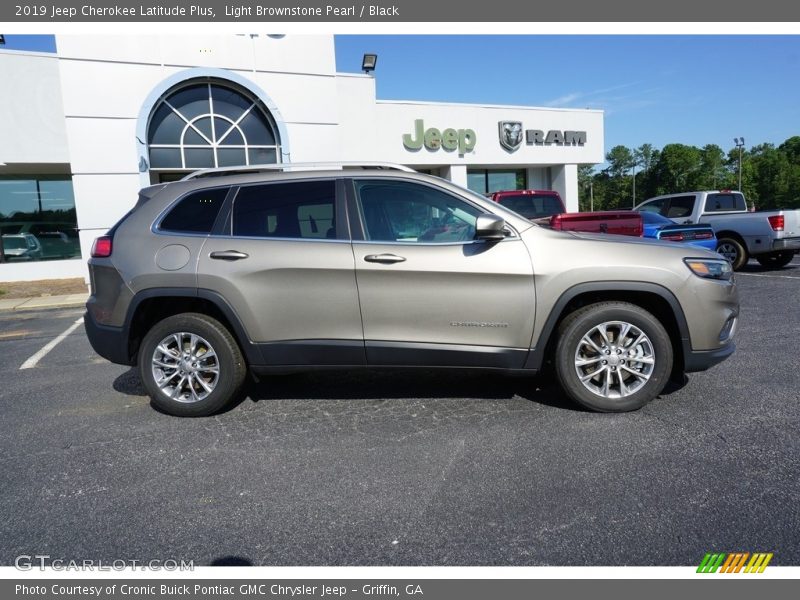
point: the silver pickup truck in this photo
(771, 237)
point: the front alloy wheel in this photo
(614, 359)
(613, 356)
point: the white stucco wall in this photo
(32, 126)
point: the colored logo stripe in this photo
(758, 563)
(733, 562)
(711, 563)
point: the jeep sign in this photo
(450, 139)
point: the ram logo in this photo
(510, 135)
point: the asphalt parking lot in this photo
(411, 468)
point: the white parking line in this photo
(34, 360)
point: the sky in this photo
(654, 89)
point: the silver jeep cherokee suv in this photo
(223, 273)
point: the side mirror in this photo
(490, 228)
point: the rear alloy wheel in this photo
(190, 365)
(775, 260)
(613, 356)
(733, 251)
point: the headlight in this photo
(709, 268)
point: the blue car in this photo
(662, 228)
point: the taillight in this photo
(102, 247)
(776, 222)
(704, 235)
(672, 237)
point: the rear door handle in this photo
(386, 259)
(228, 255)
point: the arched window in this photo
(210, 124)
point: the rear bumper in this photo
(109, 342)
(701, 360)
(786, 244)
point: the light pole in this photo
(634, 185)
(739, 144)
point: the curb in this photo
(43, 302)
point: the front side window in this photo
(397, 211)
(196, 212)
(300, 209)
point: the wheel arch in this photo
(652, 297)
(729, 233)
(154, 304)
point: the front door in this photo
(430, 293)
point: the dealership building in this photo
(83, 129)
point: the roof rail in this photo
(298, 166)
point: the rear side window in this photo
(533, 206)
(299, 209)
(196, 212)
(725, 202)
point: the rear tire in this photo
(734, 251)
(775, 260)
(191, 365)
(613, 356)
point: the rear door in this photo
(283, 261)
(430, 293)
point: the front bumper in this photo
(701, 360)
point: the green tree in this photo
(678, 169)
(713, 172)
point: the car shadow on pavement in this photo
(382, 384)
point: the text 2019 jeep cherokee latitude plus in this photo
(210, 277)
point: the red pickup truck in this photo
(545, 207)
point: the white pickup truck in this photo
(772, 237)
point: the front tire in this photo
(775, 260)
(613, 356)
(190, 365)
(733, 250)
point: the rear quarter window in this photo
(195, 212)
(725, 202)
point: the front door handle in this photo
(228, 255)
(386, 259)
